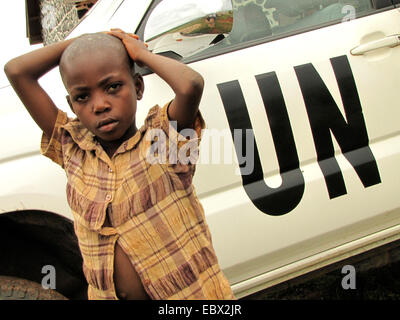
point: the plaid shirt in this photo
(153, 210)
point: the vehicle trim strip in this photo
(316, 262)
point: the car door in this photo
(300, 154)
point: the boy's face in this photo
(103, 94)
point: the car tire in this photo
(12, 288)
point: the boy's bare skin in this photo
(103, 94)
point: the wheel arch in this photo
(32, 239)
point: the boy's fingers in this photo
(117, 34)
(122, 35)
(128, 33)
(133, 36)
(117, 29)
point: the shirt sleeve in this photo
(169, 145)
(52, 148)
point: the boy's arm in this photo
(24, 72)
(186, 83)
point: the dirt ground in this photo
(377, 278)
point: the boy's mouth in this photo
(107, 125)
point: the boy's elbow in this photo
(199, 84)
(11, 69)
(194, 86)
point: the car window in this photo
(297, 15)
(188, 28)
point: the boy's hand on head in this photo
(186, 83)
(133, 45)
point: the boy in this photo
(140, 226)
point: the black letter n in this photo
(325, 117)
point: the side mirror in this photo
(181, 28)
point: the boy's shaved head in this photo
(102, 91)
(93, 43)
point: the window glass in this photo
(189, 26)
(255, 19)
(287, 15)
(185, 28)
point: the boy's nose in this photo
(100, 105)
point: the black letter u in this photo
(272, 201)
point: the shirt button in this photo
(109, 169)
(108, 197)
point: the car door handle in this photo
(390, 41)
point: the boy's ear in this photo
(139, 85)
(70, 103)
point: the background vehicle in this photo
(312, 81)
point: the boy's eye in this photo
(81, 98)
(114, 87)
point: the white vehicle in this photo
(299, 165)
